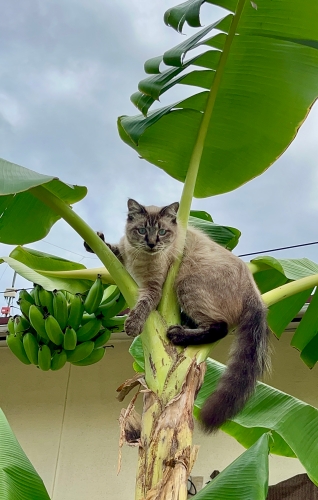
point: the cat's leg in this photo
(148, 300)
(203, 334)
(113, 248)
(88, 248)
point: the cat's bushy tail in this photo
(248, 360)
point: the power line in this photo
(241, 255)
(5, 268)
(281, 248)
(70, 251)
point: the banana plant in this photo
(260, 73)
(14, 465)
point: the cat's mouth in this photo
(152, 250)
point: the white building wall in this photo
(67, 422)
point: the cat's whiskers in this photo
(135, 254)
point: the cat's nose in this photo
(151, 245)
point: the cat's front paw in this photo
(175, 333)
(88, 248)
(133, 324)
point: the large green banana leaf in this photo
(18, 478)
(23, 217)
(244, 479)
(270, 273)
(260, 79)
(39, 267)
(293, 423)
(223, 235)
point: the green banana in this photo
(60, 311)
(53, 330)
(59, 359)
(21, 324)
(24, 306)
(110, 293)
(115, 324)
(31, 347)
(70, 339)
(94, 296)
(46, 300)
(95, 356)
(11, 325)
(35, 294)
(16, 346)
(37, 321)
(44, 357)
(76, 311)
(80, 352)
(102, 338)
(68, 295)
(25, 295)
(113, 307)
(86, 318)
(89, 330)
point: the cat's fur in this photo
(214, 288)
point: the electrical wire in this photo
(281, 248)
(191, 487)
(5, 268)
(241, 255)
(70, 251)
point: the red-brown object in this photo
(296, 488)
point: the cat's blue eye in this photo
(162, 232)
(142, 230)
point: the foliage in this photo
(246, 477)
(293, 423)
(258, 69)
(18, 478)
(19, 225)
(259, 77)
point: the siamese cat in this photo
(215, 290)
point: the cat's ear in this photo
(170, 210)
(134, 208)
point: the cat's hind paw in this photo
(176, 334)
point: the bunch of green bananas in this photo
(58, 327)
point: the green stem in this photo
(122, 278)
(195, 160)
(289, 289)
(81, 274)
(168, 306)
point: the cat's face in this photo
(151, 229)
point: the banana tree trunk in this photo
(166, 453)
(172, 379)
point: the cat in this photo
(215, 289)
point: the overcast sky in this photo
(68, 68)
